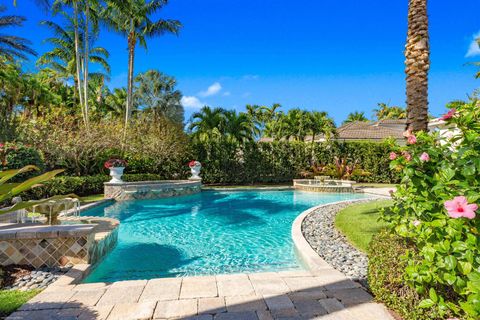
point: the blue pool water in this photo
(211, 232)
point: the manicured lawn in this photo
(12, 300)
(91, 198)
(359, 222)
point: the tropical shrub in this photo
(386, 268)
(435, 208)
(152, 146)
(9, 190)
(81, 186)
(18, 155)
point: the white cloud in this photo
(212, 90)
(191, 102)
(474, 48)
(226, 93)
(251, 77)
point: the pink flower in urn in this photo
(391, 192)
(449, 114)
(416, 223)
(393, 156)
(460, 208)
(424, 157)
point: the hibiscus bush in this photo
(436, 210)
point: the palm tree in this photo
(477, 63)
(115, 103)
(155, 93)
(417, 54)
(132, 19)
(62, 57)
(239, 127)
(12, 47)
(208, 123)
(386, 112)
(320, 123)
(356, 116)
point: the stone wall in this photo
(151, 189)
(41, 245)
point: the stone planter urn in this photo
(116, 173)
(116, 167)
(195, 167)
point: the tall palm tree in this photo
(239, 127)
(62, 57)
(320, 123)
(132, 18)
(12, 47)
(417, 54)
(356, 116)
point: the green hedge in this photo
(386, 271)
(81, 186)
(276, 162)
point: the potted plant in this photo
(195, 167)
(116, 167)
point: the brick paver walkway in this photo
(322, 294)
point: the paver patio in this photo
(322, 294)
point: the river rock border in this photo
(317, 228)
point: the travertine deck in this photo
(323, 294)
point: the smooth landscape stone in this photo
(320, 232)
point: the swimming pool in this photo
(212, 232)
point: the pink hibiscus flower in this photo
(393, 156)
(412, 139)
(460, 208)
(449, 114)
(424, 157)
(407, 156)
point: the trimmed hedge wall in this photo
(227, 163)
(81, 186)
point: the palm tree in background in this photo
(13, 47)
(386, 112)
(62, 57)
(477, 63)
(155, 93)
(356, 116)
(417, 54)
(115, 103)
(239, 127)
(320, 124)
(132, 18)
(208, 123)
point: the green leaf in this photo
(450, 262)
(433, 295)
(427, 303)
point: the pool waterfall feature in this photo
(324, 185)
(122, 191)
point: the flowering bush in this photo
(436, 209)
(18, 155)
(193, 163)
(115, 163)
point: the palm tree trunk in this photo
(417, 54)
(77, 59)
(86, 58)
(131, 57)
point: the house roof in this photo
(362, 130)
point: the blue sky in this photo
(335, 56)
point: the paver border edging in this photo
(307, 255)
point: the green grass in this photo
(359, 222)
(91, 198)
(12, 300)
